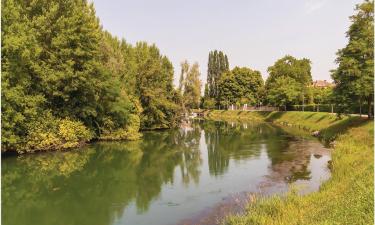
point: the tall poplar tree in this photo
(217, 65)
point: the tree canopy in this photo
(283, 91)
(354, 76)
(288, 69)
(240, 86)
(217, 64)
(60, 69)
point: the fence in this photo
(253, 108)
(332, 108)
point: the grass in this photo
(329, 125)
(233, 115)
(347, 198)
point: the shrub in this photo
(129, 132)
(49, 133)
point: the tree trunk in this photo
(369, 102)
(360, 107)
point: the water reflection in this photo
(235, 140)
(195, 166)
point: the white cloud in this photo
(314, 5)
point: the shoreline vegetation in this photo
(346, 198)
(66, 81)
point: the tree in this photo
(240, 86)
(51, 57)
(62, 74)
(217, 65)
(354, 76)
(230, 91)
(250, 82)
(192, 92)
(154, 77)
(322, 95)
(289, 67)
(184, 70)
(284, 91)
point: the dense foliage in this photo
(240, 86)
(354, 76)
(288, 81)
(283, 91)
(217, 64)
(59, 68)
(190, 85)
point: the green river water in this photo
(190, 175)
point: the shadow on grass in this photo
(272, 116)
(321, 118)
(309, 116)
(330, 133)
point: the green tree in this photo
(240, 86)
(230, 91)
(289, 67)
(192, 90)
(217, 65)
(284, 91)
(62, 74)
(154, 77)
(51, 57)
(354, 76)
(322, 95)
(184, 70)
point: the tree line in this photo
(290, 81)
(66, 81)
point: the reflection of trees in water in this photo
(95, 184)
(290, 159)
(233, 140)
(190, 158)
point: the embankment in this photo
(347, 198)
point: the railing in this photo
(253, 108)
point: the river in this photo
(191, 175)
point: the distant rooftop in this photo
(322, 84)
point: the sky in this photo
(252, 33)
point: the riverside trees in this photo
(288, 81)
(240, 86)
(65, 80)
(190, 85)
(354, 76)
(217, 64)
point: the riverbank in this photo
(347, 198)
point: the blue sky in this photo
(252, 33)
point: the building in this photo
(322, 84)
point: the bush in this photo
(49, 133)
(209, 103)
(129, 132)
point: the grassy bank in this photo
(328, 125)
(347, 198)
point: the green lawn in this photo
(347, 198)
